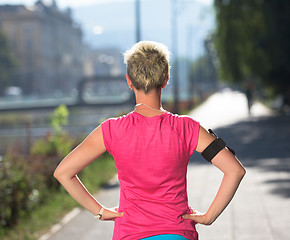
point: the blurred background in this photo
(70, 52)
(62, 73)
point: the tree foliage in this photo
(253, 41)
(7, 63)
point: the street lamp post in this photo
(137, 18)
(174, 42)
(190, 76)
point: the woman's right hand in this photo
(110, 214)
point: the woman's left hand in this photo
(110, 214)
(197, 217)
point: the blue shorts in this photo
(166, 237)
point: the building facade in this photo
(47, 45)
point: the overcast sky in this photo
(81, 3)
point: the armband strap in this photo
(215, 147)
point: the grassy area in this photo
(42, 218)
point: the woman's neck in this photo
(152, 98)
(149, 104)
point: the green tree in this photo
(7, 63)
(252, 41)
(276, 45)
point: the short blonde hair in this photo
(147, 65)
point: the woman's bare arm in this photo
(233, 174)
(66, 173)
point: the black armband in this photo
(215, 147)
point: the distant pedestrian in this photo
(250, 95)
(151, 148)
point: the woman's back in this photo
(151, 156)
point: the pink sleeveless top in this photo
(151, 155)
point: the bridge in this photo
(91, 92)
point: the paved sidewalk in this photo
(259, 210)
